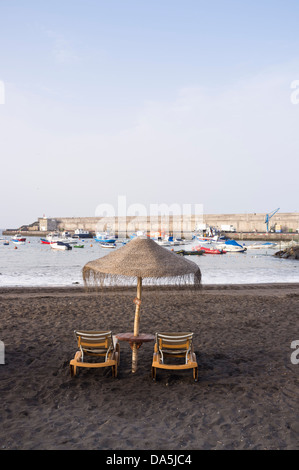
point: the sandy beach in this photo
(246, 398)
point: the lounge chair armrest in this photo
(115, 341)
(78, 355)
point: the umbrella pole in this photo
(136, 325)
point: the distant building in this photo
(47, 225)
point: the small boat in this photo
(104, 238)
(162, 242)
(232, 246)
(107, 245)
(18, 239)
(189, 253)
(207, 239)
(174, 241)
(211, 251)
(257, 245)
(78, 246)
(180, 241)
(66, 237)
(139, 233)
(52, 237)
(60, 246)
(55, 237)
(124, 241)
(80, 233)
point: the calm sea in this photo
(35, 264)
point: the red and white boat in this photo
(18, 239)
(55, 237)
(210, 251)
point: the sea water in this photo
(36, 264)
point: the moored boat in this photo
(18, 239)
(211, 251)
(55, 237)
(61, 246)
(139, 233)
(107, 245)
(82, 233)
(104, 238)
(232, 246)
(162, 242)
(257, 245)
(189, 253)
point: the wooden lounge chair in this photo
(97, 344)
(174, 345)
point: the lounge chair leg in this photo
(154, 373)
(73, 370)
(195, 374)
(114, 371)
(117, 355)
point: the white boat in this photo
(80, 233)
(60, 246)
(180, 241)
(231, 246)
(139, 233)
(51, 238)
(66, 237)
(173, 241)
(107, 245)
(258, 246)
(55, 237)
(18, 239)
(162, 242)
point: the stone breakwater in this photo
(289, 253)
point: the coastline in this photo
(273, 289)
(246, 397)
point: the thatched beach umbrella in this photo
(141, 258)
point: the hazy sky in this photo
(163, 101)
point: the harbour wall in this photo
(184, 226)
(179, 225)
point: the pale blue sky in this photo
(162, 101)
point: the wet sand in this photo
(246, 398)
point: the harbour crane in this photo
(268, 217)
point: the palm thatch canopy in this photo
(142, 258)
